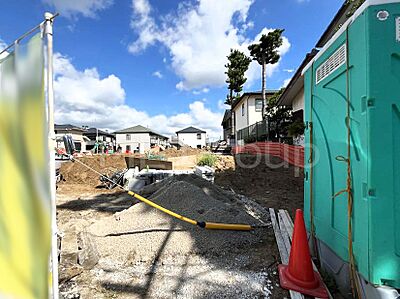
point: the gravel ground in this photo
(147, 254)
(149, 227)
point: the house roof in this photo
(92, 131)
(268, 92)
(191, 130)
(227, 116)
(296, 83)
(67, 127)
(340, 17)
(139, 129)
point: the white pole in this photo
(48, 31)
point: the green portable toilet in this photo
(360, 65)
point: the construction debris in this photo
(75, 173)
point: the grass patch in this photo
(207, 160)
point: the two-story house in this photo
(77, 133)
(247, 111)
(95, 134)
(293, 95)
(192, 137)
(139, 139)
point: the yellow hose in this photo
(212, 225)
(207, 225)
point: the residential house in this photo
(247, 112)
(77, 133)
(227, 125)
(139, 139)
(294, 92)
(293, 95)
(192, 137)
(95, 134)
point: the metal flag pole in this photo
(48, 32)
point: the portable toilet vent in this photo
(352, 115)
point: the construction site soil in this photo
(268, 180)
(76, 173)
(144, 253)
(183, 151)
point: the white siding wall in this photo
(254, 116)
(141, 140)
(250, 117)
(191, 140)
(298, 101)
(77, 137)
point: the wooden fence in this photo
(293, 154)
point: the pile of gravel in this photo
(142, 233)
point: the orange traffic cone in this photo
(299, 274)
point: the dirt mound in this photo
(224, 162)
(142, 230)
(75, 173)
(183, 151)
(267, 179)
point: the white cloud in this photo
(199, 91)
(82, 97)
(199, 37)
(286, 82)
(289, 70)
(2, 44)
(72, 8)
(222, 105)
(158, 74)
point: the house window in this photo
(198, 135)
(128, 136)
(243, 109)
(259, 105)
(128, 148)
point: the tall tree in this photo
(279, 117)
(238, 64)
(266, 52)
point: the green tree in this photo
(279, 117)
(238, 64)
(266, 52)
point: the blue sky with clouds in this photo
(161, 63)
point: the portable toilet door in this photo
(352, 103)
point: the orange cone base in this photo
(319, 291)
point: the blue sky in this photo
(161, 63)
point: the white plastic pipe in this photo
(48, 32)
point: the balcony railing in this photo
(255, 132)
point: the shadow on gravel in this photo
(109, 203)
(231, 264)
